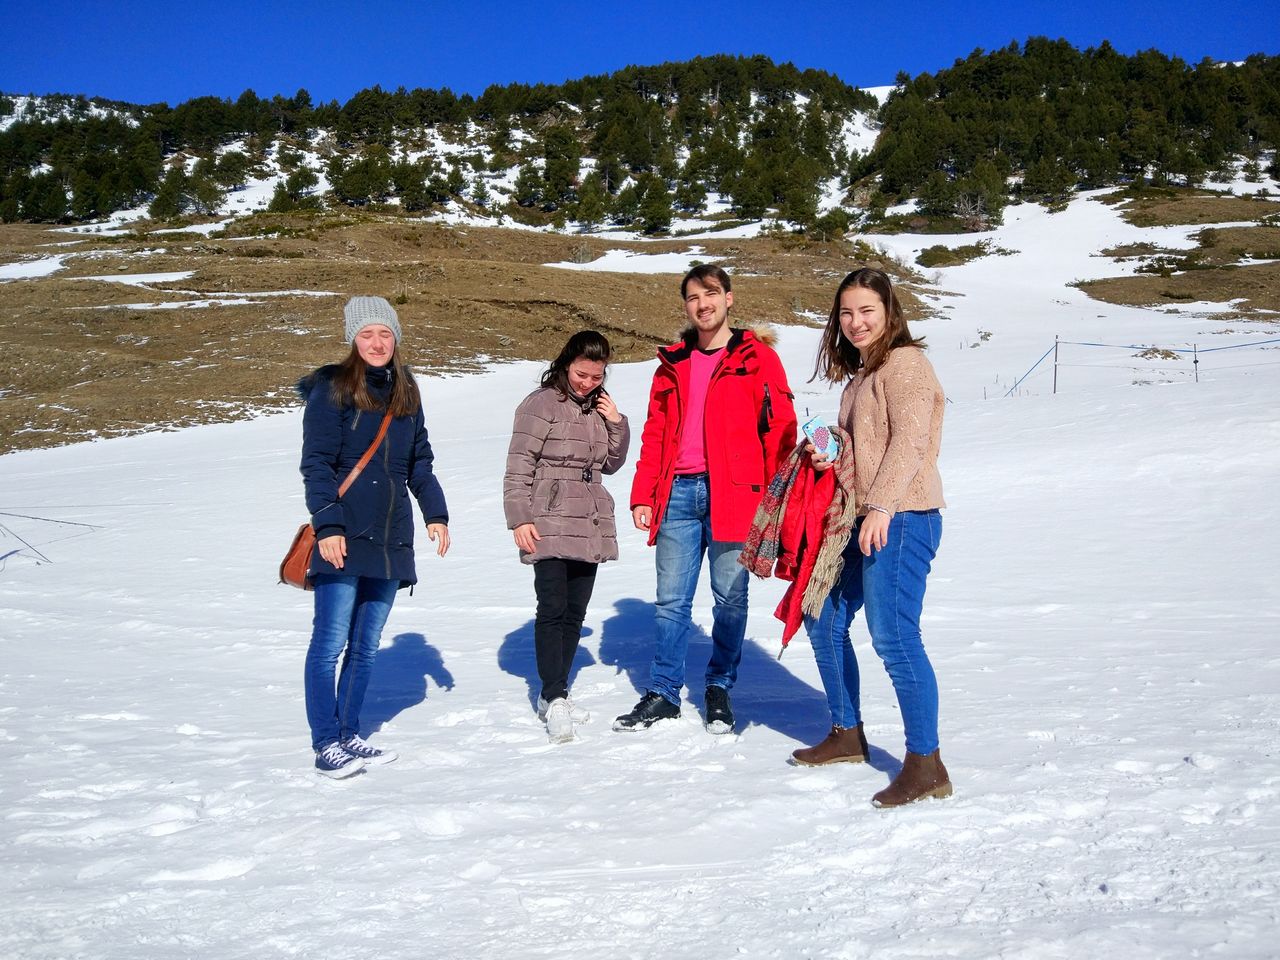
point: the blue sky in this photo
(150, 51)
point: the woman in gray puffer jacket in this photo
(566, 435)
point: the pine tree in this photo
(592, 205)
(361, 179)
(749, 195)
(455, 182)
(281, 202)
(410, 182)
(294, 192)
(231, 169)
(830, 226)
(563, 156)
(611, 173)
(938, 196)
(655, 208)
(168, 201)
(84, 195)
(626, 205)
(202, 190)
(690, 196)
(528, 186)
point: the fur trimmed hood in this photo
(307, 383)
(766, 335)
(738, 338)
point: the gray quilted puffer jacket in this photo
(559, 450)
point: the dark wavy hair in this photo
(584, 345)
(838, 359)
(349, 388)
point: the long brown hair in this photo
(838, 359)
(349, 388)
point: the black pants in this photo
(564, 590)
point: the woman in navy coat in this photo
(364, 540)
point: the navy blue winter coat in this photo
(374, 514)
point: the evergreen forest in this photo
(643, 145)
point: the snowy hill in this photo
(64, 107)
(1102, 617)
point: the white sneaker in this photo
(577, 713)
(559, 721)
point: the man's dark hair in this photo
(702, 273)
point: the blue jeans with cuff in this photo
(683, 538)
(890, 585)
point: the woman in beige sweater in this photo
(892, 407)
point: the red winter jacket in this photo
(750, 426)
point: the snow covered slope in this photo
(1102, 616)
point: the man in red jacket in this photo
(720, 423)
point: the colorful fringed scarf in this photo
(788, 540)
(837, 526)
(760, 552)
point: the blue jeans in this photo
(890, 583)
(683, 538)
(350, 614)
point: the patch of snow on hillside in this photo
(628, 261)
(32, 269)
(1264, 185)
(880, 93)
(143, 279)
(47, 110)
(859, 133)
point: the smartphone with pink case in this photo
(820, 435)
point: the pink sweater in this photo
(895, 418)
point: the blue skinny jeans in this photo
(890, 585)
(350, 613)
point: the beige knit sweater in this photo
(895, 418)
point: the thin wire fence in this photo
(1147, 355)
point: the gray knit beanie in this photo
(361, 312)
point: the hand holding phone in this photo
(824, 441)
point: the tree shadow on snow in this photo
(399, 680)
(767, 693)
(517, 657)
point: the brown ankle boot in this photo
(921, 777)
(842, 745)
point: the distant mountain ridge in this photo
(733, 138)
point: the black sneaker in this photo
(719, 713)
(651, 708)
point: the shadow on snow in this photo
(399, 681)
(767, 693)
(517, 657)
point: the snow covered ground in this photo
(1102, 616)
(1012, 305)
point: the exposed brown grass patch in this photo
(1213, 271)
(466, 297)
(1256, 286)
(1164, 207)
